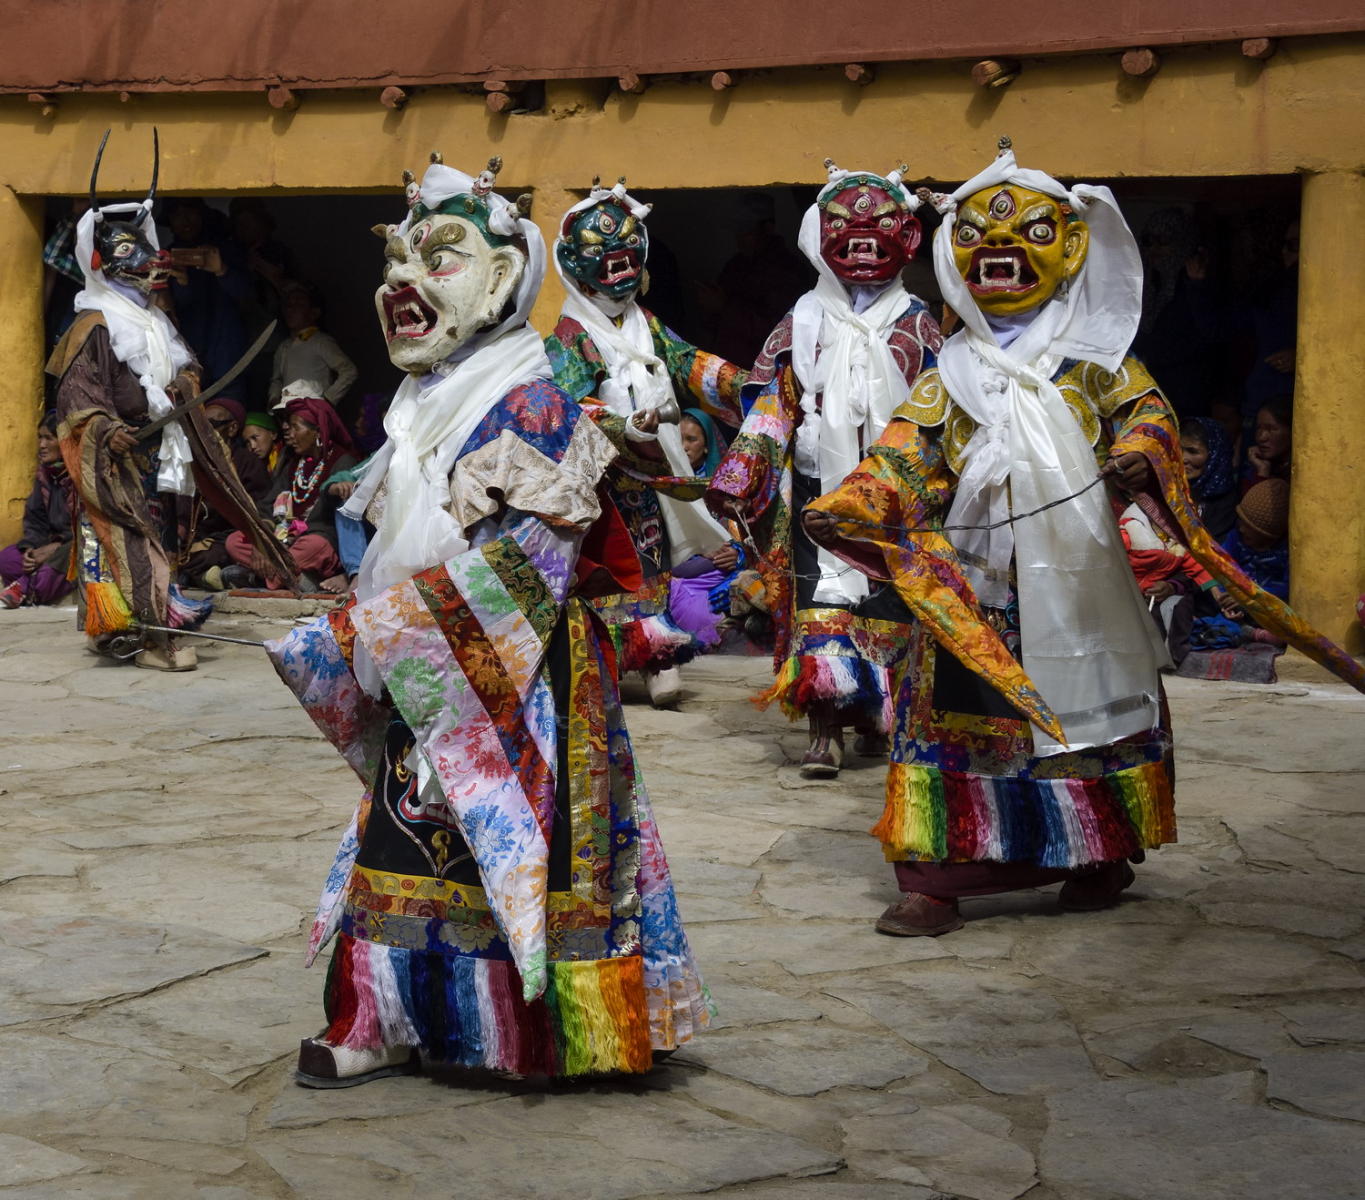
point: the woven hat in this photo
(1265, 508)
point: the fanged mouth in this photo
(619, 266)
(994, 271)
(407, 315)
(861, 252)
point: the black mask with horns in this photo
(122, 250)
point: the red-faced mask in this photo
(867, 231)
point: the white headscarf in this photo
(638, 381)
(432, 417)
(855, 381)
(143, 338)
(1088, 642)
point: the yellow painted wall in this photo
(1209, 111)
(21, 353)
(1327, 501)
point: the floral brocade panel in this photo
(418, 912)
(839, 632)
(948, 719)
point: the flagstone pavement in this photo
(163, 838)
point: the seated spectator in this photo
(1207, 451)
(699, 594)
(1272, 438)
(261, 432)
(1177, 588)
(353, 534)
(309, 353)
(1260, 542)
(203, 566)
(305, 513)
(35, 567)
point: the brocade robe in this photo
(835, 654)
(501, 898)
(964, 784)
(646, 636)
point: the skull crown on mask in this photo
(446, 277)
(1015, 247)
(867, 232)
(605, 248)
(121, 247)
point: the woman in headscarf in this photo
(1207, 452)
(35, 567)
(305, 513)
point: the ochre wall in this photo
(1327, 501)
(1209, 111)
(21, 352)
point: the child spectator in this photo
(1259, 543)
(309, 353)
(1272, 442)
(34, 568)
(1207, 451)
(261, 432)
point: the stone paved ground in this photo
(164, 837)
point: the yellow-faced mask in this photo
(1014, 247)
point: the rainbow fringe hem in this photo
(957, 817)
(106, 611)
(592, 1018)
(184, 613)
(652, 643)
(860, 689)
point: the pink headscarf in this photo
(332, 434)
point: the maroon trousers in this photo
(949, 881)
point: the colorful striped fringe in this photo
(466, 1011)
(106, 611)
(957, 817)
(652, 643)
(849, 681)
(184, 613)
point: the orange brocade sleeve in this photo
(1149, 428)
(891, 514)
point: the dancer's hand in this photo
(646, 420)
(122, 440)
(820, 526)
(726, 557)
(1132, 471)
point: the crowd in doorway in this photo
(1218, 331)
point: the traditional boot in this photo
(918, 915)
(324, 1066)
(825, 754)
(1091, 891)
(167, 655)
(869, 743)
(665, 687)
